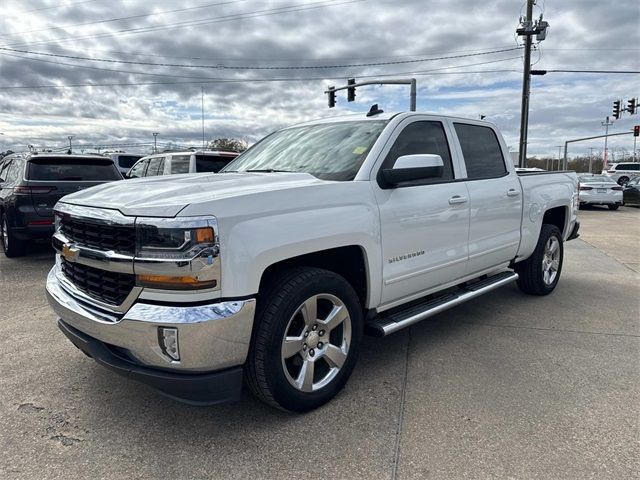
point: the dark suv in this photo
(30, 185)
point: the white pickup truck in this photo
(272, 270)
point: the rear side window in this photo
(127, 161)
(426, 138)
(481, 150)
(72, 170)
(180, 163)
(4, 170)
(14, 172)
(210, 163)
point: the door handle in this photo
(457, 199)
(512, 192)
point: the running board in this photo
(388, 323)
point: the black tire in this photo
(613, 207)
(11, 246)
(531, 274)
(623, 181)
(265, 373)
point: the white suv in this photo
(169, 163)
(623, 172)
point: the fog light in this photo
(168, 339)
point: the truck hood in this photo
(166, 196)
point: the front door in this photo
(424, 224)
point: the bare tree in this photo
(228, 145)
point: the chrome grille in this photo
(119, 238)
(108, 287)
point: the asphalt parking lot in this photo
(506, 386)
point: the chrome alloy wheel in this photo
(316, 342)
(551, 260)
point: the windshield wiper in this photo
(269, 170)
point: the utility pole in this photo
(591, 149)
(70, 146)
(155, 143)
(606, 124)
(202, 114)
(528, 28)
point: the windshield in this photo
(596, 179)
(72, 170)
(333, 151)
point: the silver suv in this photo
(169, 163)
(623, 172)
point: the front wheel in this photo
(539, 274)
(306, 339)
(613, 207)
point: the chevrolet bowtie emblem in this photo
(70, 253)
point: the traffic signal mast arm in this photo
(331, 91)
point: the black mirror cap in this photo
(393, 177)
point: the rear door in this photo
(51, 178)
(495, 196)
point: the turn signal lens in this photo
(204, 235)
(174, 283)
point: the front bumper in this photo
(211, 337)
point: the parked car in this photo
(600, 190)
(275, 267)
(171, 163)
(623, 172)
(30, 186)
(631, 192)
(124, 161)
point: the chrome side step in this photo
(387, 323)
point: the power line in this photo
(587, 71)
(58, 6)
(209, 21)
(131, 17)
(250, 67)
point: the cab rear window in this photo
(72, 170)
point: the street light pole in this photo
(591, 149)
(155, 145)
(70, 145)
(559, 147)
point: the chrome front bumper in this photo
(211, 337)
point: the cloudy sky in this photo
(265, 64)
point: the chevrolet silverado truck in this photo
(269, 273)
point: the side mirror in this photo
(413, 167)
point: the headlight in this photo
(177, 254)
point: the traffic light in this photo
(632, 105)
(332, 96)
(616, 109)
(636, 131)
(351, 91)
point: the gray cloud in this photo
(584, 34)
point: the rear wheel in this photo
(623, 180)
(613, 207)
(539, 274)
(11, 246)
(305, 341)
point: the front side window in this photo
(138, 169)
(5, 170)
(481, 151)
(331, 151)
(180, 163)
(425, 137)
(62, 169)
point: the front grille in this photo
(121, 239)
(108, 287)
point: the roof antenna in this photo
(374, 110)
